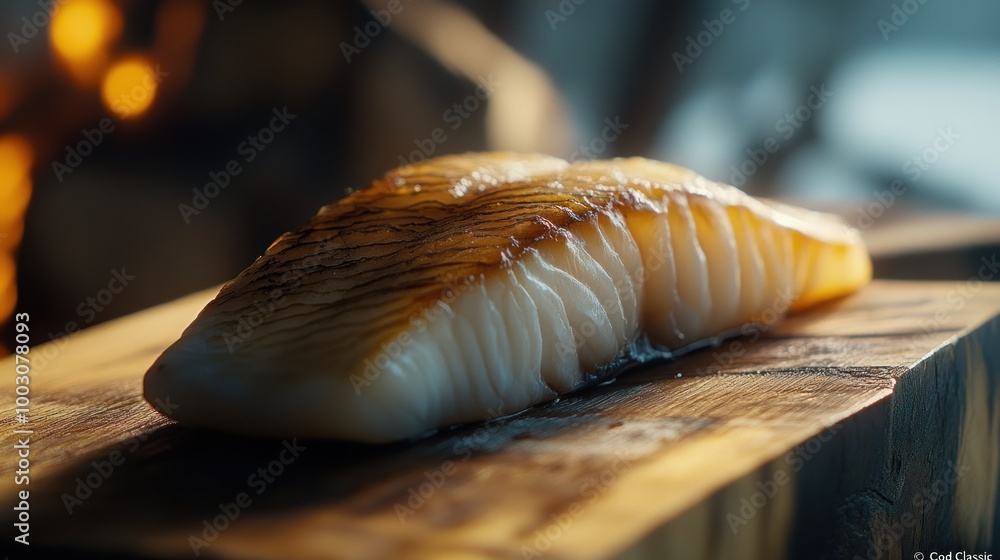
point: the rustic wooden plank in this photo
(908, 233)
(892, 383)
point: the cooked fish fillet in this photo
(468, 286)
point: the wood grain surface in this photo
(810, 438)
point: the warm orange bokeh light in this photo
(81, 32)
(81, 28)
(8, 290)
(15, 178)
(16, 156)
(129, 87)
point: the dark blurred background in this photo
(118, 120)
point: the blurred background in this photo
(151, 149)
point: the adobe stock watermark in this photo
(103, 469)
(122, 106)
(590, 491)
(914, 168)
(31, 25)
(225, 7)
(957, 298)
(420, 321)
(435, 479)
(751, 331)
(249, 148)
(258, 481)
(793, 462)
(599, 144)
(785, 128)
(919, 505)
(88, 310)
(454, 116)
(584, 331)
(248, 321)
(562, 13)
(700, 42)
(363, 36)
(898, 17)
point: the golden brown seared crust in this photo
(362, 268)
(447, 288)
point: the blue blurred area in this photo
(898, 75)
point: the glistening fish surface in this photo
(467, 284)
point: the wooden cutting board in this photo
(868, 426)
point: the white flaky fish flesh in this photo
(465, 285)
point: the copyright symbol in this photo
(918, 556)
